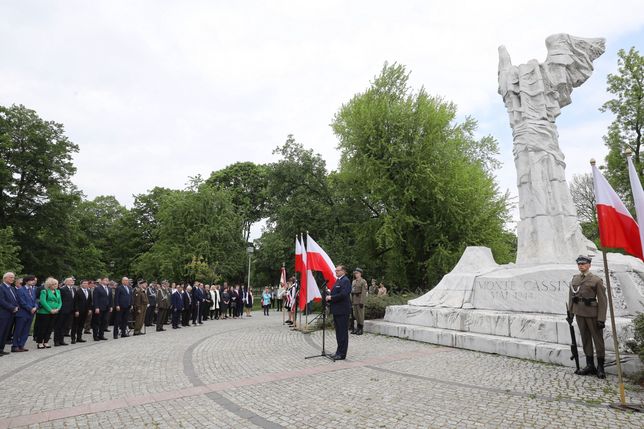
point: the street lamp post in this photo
(250, 249)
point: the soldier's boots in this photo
(590, 367)
(359, 330)
(353, 326)
(600, 368)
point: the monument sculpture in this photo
(534, 94)
(519, 309)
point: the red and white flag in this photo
(309, 290)
(318, 260)
(638, 196)
(300, 267)
(617, 228)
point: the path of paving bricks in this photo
(252, 373)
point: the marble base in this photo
(534, 336)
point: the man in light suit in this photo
(340, 303)
(122, 305)
(8, 308)
(27, 303)
(101, 300)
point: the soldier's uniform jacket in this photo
(587, 296)
(140, 299)
(163, 299)
(358, 291)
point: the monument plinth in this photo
(519, 309)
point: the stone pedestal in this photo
(513, 310)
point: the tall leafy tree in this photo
(627, 104)
(247, 182)
(197, 228)
(425, 179)
(9, 251)
(583, 195)
(36, 195)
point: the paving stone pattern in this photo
(252, 373)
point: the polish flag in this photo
(638, 196)
(320, 261)
(300, 267)
(309, 290)
(617, 228)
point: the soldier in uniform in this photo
(358, 299)
(587, 301)
(163, 305)
(140, 303)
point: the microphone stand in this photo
(324, 306)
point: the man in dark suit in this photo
(122, 305)
(197, 302)
(176, 300)
(340, 303)
(101, 299)
(24, 316)
(82, 308)
(8, 308)
(65, 313)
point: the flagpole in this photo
(306, 304)
(622, 396)
(283, 286)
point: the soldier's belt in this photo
(587, 301)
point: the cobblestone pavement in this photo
(252, 373)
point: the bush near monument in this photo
(376, 305)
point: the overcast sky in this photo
(156, 91)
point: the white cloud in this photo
(156, 91)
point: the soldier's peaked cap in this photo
(581, 259)
(358, 270)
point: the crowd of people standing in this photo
(66, 310)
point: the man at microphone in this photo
(340, 307)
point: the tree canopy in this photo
(413, 188)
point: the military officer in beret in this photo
(140, 303)
(587, 301)
(358, 299)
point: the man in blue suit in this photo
(27, 302)
(176, 301)
(122, 304)
(340, 303)
(197, 302)
(101, 304)
(8, 308)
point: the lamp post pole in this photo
(249, 250)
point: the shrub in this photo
(375, 308)
(637, 345)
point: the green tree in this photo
(301, 198)
(583, 195)
(627, 88)
(36, 195)
(247, 182)
(201, 224)
(425, 180)
(9, 250)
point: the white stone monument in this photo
(519, 309)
